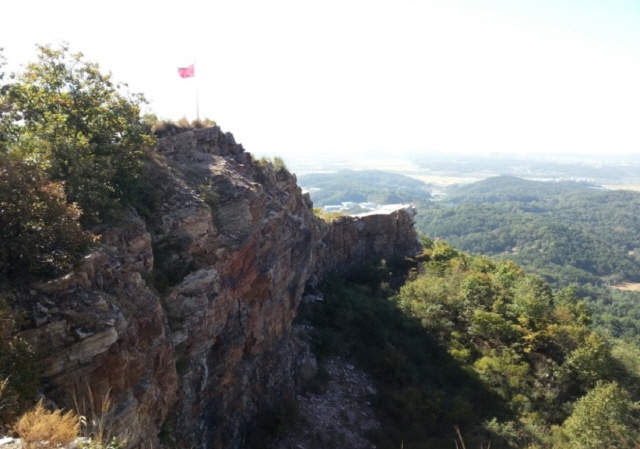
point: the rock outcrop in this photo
(183, 320)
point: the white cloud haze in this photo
(291, 76)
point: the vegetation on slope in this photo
(79, 127)
(480, 344)
(566, 232)
(560, 251)
(569, 233)
(72, 153)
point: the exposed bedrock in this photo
(184, 319)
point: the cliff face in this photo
(184, 320)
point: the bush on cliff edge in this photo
(79, 126)
(40, 233)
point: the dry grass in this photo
(96, 426)
(45, 429)
(162, 128)
(3, 398)
(203, 123)
(459, 434)
(328, 216)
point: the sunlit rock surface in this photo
(183, 320)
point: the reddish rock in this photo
(205, 344)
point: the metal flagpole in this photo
(197, 103)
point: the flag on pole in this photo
(187, 72)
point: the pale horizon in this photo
(307, 78)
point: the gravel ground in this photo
(338, 417)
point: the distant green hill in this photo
(511, 188)
(604, 169)
(566, 231)
(363, 186)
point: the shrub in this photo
(209, 194)
(20, 366)
(42, 428)
(163, 128)
(278, 164)
(40, 233)
(602, 418)
(327, 216)
(204, 123)
(84, 129)
(263, 162)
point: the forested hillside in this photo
(567, 232)
(602, 168)
(481, 345)
(363, 186)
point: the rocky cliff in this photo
(183, 319)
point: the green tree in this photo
(40, 233)
(442, 251)
(602, 418)
(6, 123)
(478, 290)
(592, 361)
(504, 371)
(532, 299)
(492, 326)
(81, 126)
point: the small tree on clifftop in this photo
(79, 126)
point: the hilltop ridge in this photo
(184, 317)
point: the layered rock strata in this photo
(183, 320)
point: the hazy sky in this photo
(306, 76)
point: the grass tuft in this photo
(328, 216)
(163, 128)
(42, 428)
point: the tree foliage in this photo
(72, 143)
(40, 233)
(528, 345)
(80, 126)
(604, 417)
(566, 232)
(466, 332)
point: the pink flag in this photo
(187, 72)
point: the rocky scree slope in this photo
(184, 319)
